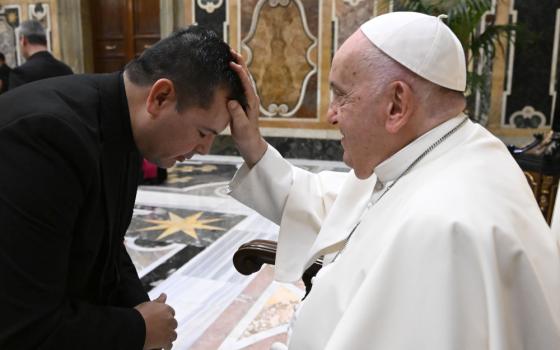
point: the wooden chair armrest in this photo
(250, 257)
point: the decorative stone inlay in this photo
(209, 5)
(353, 2)
(528, 117)
(279, 33)
(9, 21)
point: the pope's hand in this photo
(245, 124)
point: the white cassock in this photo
(555, 222)
(456, 255)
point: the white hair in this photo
(385, 70)
(32, 27)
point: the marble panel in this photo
(210, 6)
(282, 56)
(182, 226)
(191, 202)
(211, 14)
(204, 287)
(161, 240)
(308, 108)
(149, 255)
(10, 18)
(267, 320)
(169, 266)
(350, 14)
(75, 29)
(215, 335)
(41, 12)
(257, 317)
(528, 103)
(247, 8)
(218, 189)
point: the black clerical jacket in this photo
(40, 65)
(4, 77)
(69, 170)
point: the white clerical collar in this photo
(395, 165)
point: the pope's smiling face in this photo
(357, 107)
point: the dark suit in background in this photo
(40, 65)
(4, 77)
(68, 177)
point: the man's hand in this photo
(160, 323)
(245, 124)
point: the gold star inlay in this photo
(187, 225)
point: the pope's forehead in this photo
(349, 60)
(352, 50)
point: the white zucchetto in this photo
(421, 43)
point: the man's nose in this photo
(204, 146)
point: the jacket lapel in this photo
(114, 140)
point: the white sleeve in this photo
(265, 187)
(555, 224)
(293, 198)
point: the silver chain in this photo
(406, 171)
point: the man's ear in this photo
(161, 96)
(400, 106)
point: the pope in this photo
(433, 240)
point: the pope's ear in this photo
(399, 108)
(161, 96)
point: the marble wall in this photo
(289, 45)
(288, 49)
(522, 97)
(283, 34)
(75, 35)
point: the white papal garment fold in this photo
(455, 256)
(555, 222)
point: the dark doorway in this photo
(121, 30)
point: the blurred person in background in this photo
(4, 73)
(40, 63)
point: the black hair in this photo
(196, 60)
(2, 57)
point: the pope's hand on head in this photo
(245, 123)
